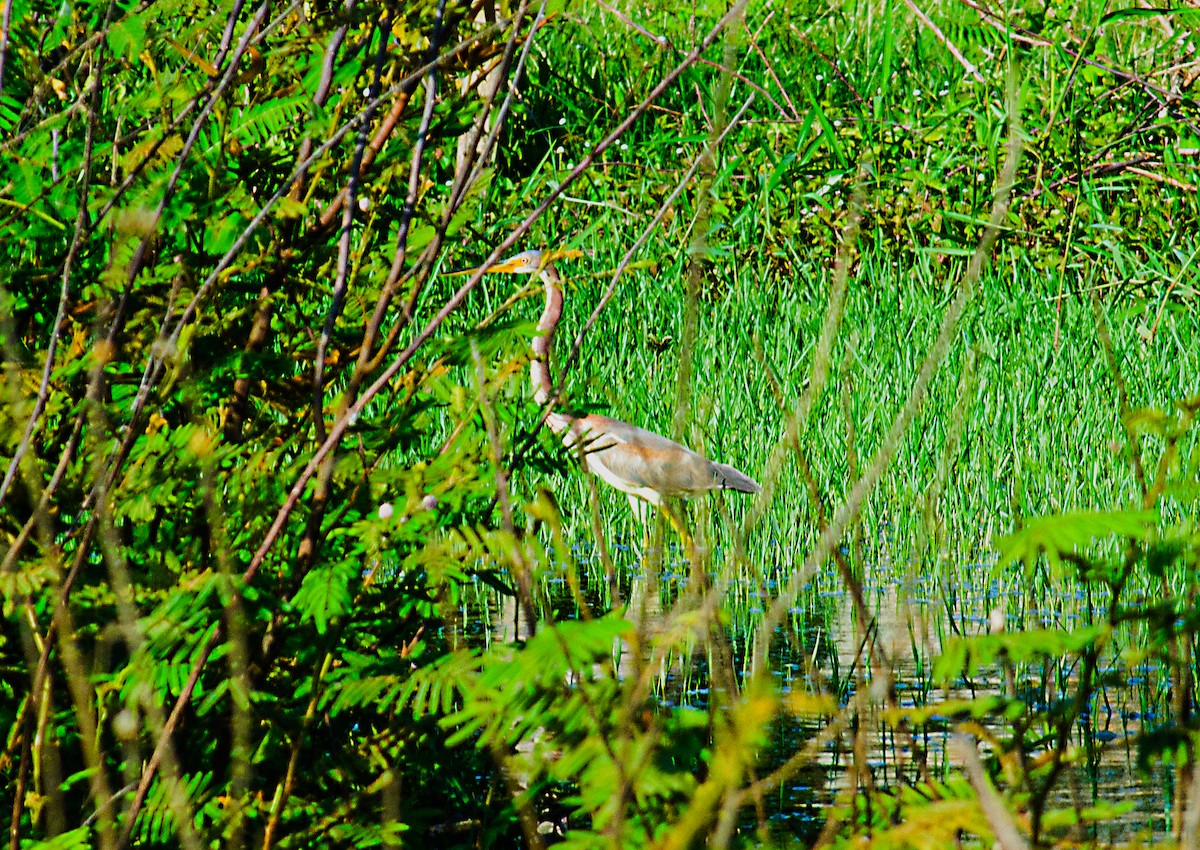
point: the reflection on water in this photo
(821, 651)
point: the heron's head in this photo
(536, 262)
(526, 262)
(540, 263)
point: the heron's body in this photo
(643, 464)
(639, 463)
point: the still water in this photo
(821, 650)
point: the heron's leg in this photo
(641, 513)
(677, 524)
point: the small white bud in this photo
(125, 725)
(386, 510)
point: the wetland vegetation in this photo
(289, 560)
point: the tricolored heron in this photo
(643, 465)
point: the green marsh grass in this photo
(1035, 438)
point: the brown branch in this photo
(795, 116)
(386, 128)
(1004, 828)
(77, 678)
(342, 283)
(207, 648)
(945, 42)
(833, 65)
(164, 738)
(231, 18)
(465, 176)
(81, 222)
(320, 498)
(742, 78)
(1161, 178)
(1099, 169)
(5, 28)
(998, 22)
(268, 206)
(34, 101)
(60, 620)
(284, 790)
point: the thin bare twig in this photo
(342, 283)
(1008, 837)
(164, 737)
(946, 43)
(660, 40)
(311, 541)
(5, 26)
(640, 241)
(468, 173)
(795, 116)
(77, 679)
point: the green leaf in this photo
(972, 653)
(1187, 16)
(1100, 813)
(324, 594)
(81, 837)
(261, 125)
(127, 37)
(1061, 534)
(10, 111)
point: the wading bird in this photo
(641, 464)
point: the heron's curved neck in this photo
(539, 367)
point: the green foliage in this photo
(921, 817)
(505, 703)
(1065, 534)
(324, 594)
(1153, 549)
(1026, 646)
(81, 837)
(252, 492)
